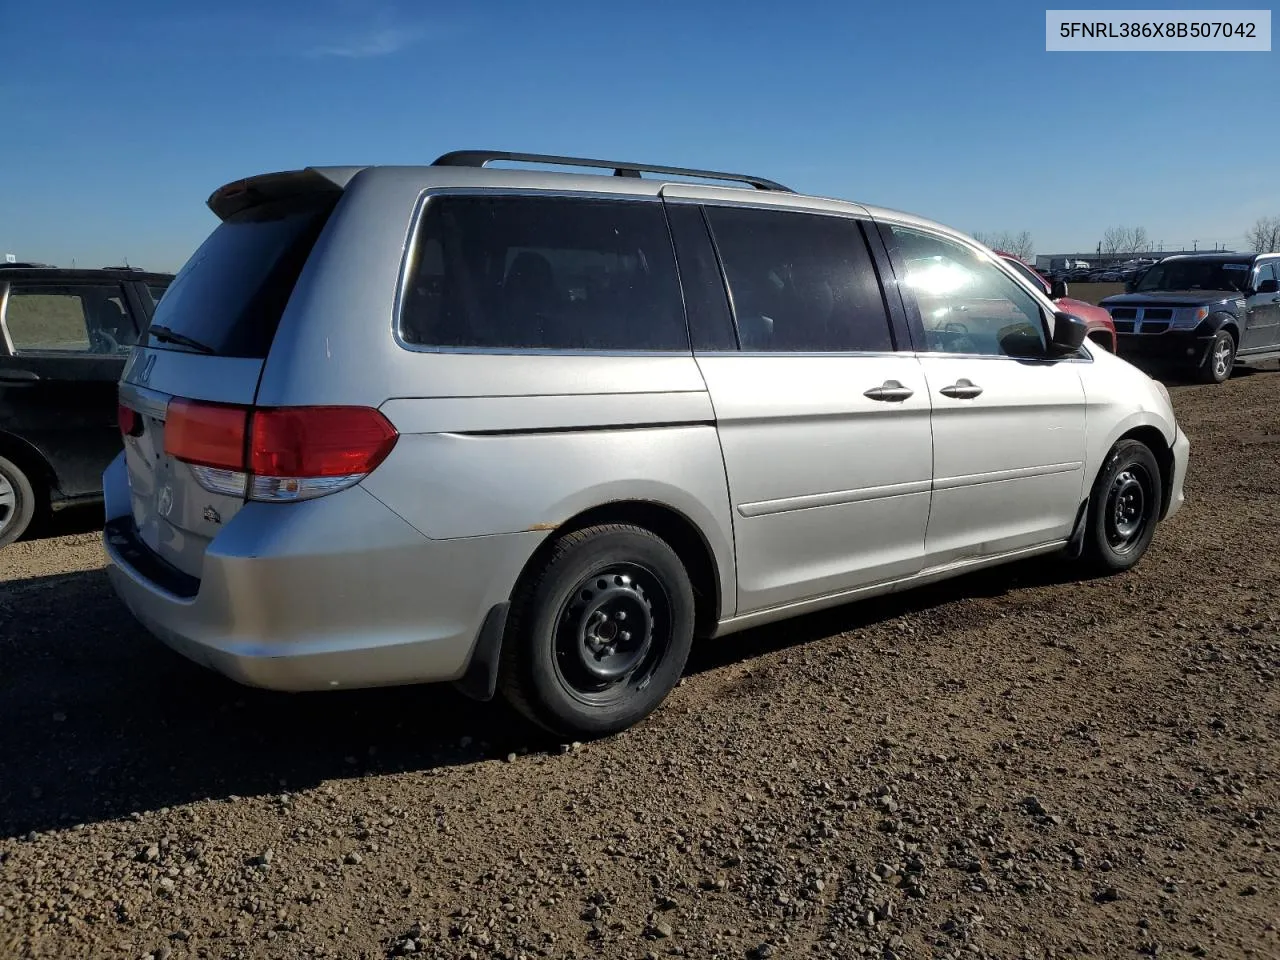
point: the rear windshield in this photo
(229, 296)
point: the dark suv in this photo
(1201, 312)
(64, 338)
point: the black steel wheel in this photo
(599, 632)
(1124, 507)
(609, 633)
(1125, 515)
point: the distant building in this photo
(1058, 261)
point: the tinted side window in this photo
(69, 318)
(966, 303)
(1267, 272)
(800, 282)
(543, 273)
(705, 301)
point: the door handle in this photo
(1275, 299)
(18, 376)
(890, 391)
(962, 389)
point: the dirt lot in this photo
(1011, 765)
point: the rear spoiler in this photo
(238, 195)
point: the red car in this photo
(1098, 321)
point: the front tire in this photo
(1124, 508)
(600, 632)
(17, 502)
(1220, 359)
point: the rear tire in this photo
(17, 502)
(1220, 359)
(1124, 508)
(599, 632)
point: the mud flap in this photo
(481, 679)
(1075, 546)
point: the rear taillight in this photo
(318, 441)
(129, 420)
(278, 453)
(206, 434)
(296, 453)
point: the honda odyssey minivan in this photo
(531, 432)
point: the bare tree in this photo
(1264, 236)
(1113, 240)
(1125, 240)
(1019, 244)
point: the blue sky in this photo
(120, 118)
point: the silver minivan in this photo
(532, 432)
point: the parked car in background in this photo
(1202, 313)
(1101, 329)
(531, 432)
(1131, 269)
(64, 339)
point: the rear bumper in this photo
(1181, 455)
(330, 593)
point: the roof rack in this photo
(478, 158)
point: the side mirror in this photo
(1058, 290)
(1069, 332)
(1269, 286)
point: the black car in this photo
(64, 338)
(1203, 313)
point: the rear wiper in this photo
(165, 335)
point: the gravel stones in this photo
(879, 781)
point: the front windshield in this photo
(1197, 275)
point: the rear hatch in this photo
(185, 393)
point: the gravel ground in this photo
(1010, 765)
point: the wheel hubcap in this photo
(1222, 358)
(8, 502)
(611, 631)
(1127, 508)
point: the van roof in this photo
(467, 168)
